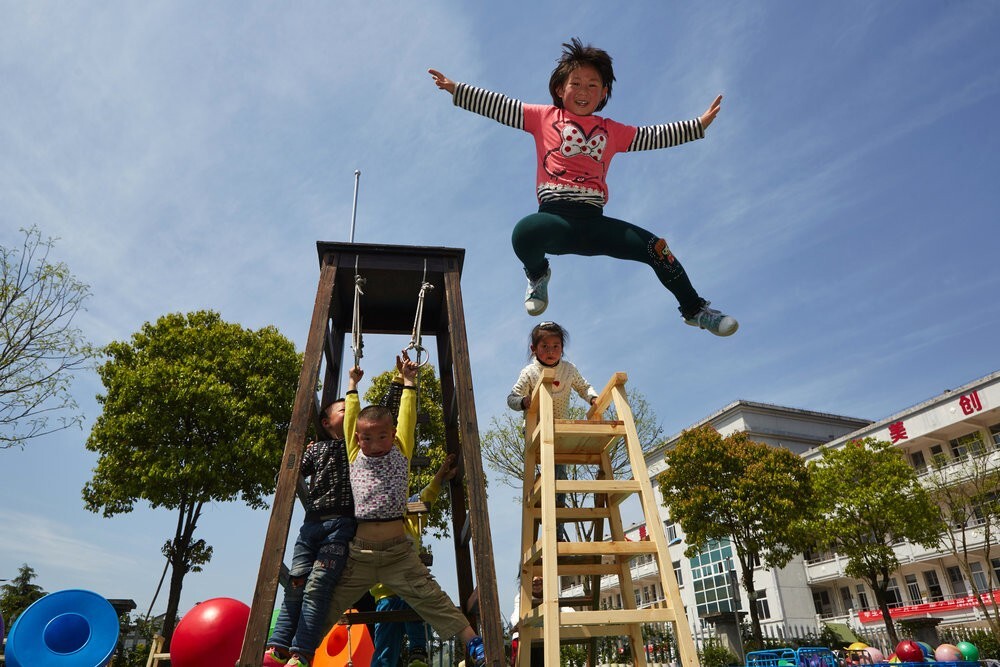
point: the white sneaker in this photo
(536, 298)
(714, 321)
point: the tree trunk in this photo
(883, 604)
(177, 571)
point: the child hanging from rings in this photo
(382, 552)
(574, 148)
(546, 343)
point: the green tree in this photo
(18, 595)
(40, 345)
(503, 448)
(139, 629)
(430, 438)
(733, 488)
(196, 410)
(869, 499)
(967, 492)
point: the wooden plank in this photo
(472, 464)
(288, 475)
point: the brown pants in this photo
(396, 564)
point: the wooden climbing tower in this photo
(589, 442)
(393, 276)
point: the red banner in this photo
(927, 608)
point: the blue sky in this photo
(843, 207)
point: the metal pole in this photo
(354, 209)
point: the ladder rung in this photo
(604, 617)
(605, 548)
(589, 631)
(617, 489)
(573, 513)
(583, 569)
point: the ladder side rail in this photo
(625, 584)
(529, 533)
(604, 398)
(654, 529)
(549, 608)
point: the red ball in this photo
(909, 651)
(211, 634)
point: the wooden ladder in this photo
(590, 442)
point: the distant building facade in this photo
(943, 433)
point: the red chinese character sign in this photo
(970, 403)
(897, 432)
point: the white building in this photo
(952, 427)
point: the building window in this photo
(979, 577)
(709, 578)
(995, 562)
(619, 605)
(995, 433)
(892, 594)
(913, 588)
(970, 442)
(918, 461)
(671, 530)
(956, 581)
(985, 505)
(845, 599)
(937, 455)
(862, 597)
(934, 591)
(821, 600)
(638, 598)
(763, 609)
(677, 573)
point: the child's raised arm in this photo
(713, 111)
(353, 377)
(442, 82)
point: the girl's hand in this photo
(713, 111)
(442, 82)
(355, 374)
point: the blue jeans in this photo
(318, 560)
(389, 636)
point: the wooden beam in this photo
(288, 475)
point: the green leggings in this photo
(570, 228)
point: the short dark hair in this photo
(326, 408)
(375, 413)
(324, 414)
(540, 331)
(573, 56)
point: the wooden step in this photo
(617, 490)
(581, 436)
(604, 617)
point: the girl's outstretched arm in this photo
(713, 111)
(442, 82)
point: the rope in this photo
(415, 338)
(357, 340)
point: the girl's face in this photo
(583, 91)
(548, 349)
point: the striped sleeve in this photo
(650, 137)
(497, 106)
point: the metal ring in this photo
(420, 349)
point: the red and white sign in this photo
(925, 608)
